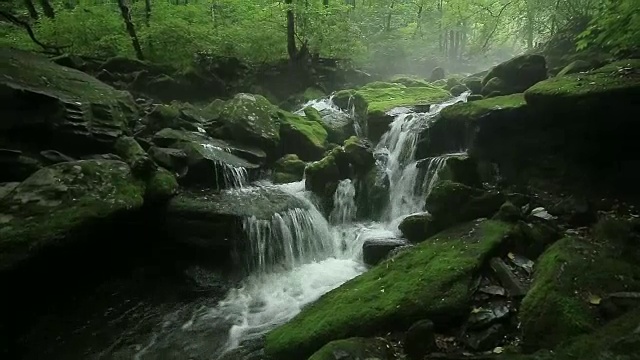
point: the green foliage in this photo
(616, 28)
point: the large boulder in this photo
(288, 168)
(214, 221)
(248, 119)
(337, 123)
(58, 107)
(210, 162)
(58, 205)
(519, 73)
(302, 136)
(432, 280)
(573, 283)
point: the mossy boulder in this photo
(179, 116)
(132, 153)
(372, 194)
(431, 280)
(473, 84)
(359, 153)
(322, 176)
(78, 114)
(301, 136)
(175, 160)
(160, 186)
(518, 74)
(437, 73)
(210, 162)
(418, 227)
(570, 278)
(348, 99)
(249, 119)
(338, 125)
(355, 349)
(495, 87)
(409, 81)
(478, 125)
(451, 203)
(460, 168)
(288, 168)
(612, 84)
(382, 97)
(457, 90)
(58, 204)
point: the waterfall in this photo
(396, 150)
(234, 176)
(344, 203)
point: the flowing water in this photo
(297, 255)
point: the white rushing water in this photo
(298, 255)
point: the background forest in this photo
(394, 36)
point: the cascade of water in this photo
(397, 151)
(344, 203)
(332, 114)
(234, 176)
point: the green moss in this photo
(161, 186)
(410, 81)
(382, 97)
(432, 280)
(618, 66)
(58, 201)
(250, 119)
(575, 67)
(311, 129)
(356, 348)
(442, 83)
(132, 153)
(557, 307)
(588, 88)
(477, 109)
(288, 168)
(313, 93)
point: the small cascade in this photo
(396, 151)
(432, 173)
(234, 176)
(344, 203)
(288, 239)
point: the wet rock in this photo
(450, 203)
(209, 162)
(288, 168)
(431, 279)
(78, 113)
(133, 154)
(576, 211)
(15, 166)
(6, 188)
(55, 205)
(354, 349)
(322, 176)
(175, 160)
(339, 125)
(457, 90)
(359, 153)
(487, 315)
(55, 157)
(507, 278)
(376, 250)
(372, 194)
(576, 67)
(420, 339)
(418, 227)
(486, 339)
(493, 290)
(399, 250)
(474, 84)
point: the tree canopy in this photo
(395, 34)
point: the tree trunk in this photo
(147, 12)
(126, 16)
(33, 13)
(291, 32)
(325, 3)
(47, 9)
(452, 44)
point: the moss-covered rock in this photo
(460, 168)
(313, 93)
(209, 162)
(437, 73)
(175, 160)
(132, 153)
(339, 126)
(508, 213)
(410, 81)
(474, 84)
(355, 349)
(322, 176)
(606, 85)
(568, 277)
(451, 203)
(382, 97)
(431, 280)
(457, 90)
(372, 194)
(493, 87)
(249, 119)
(78, 113)
(359, 154)
(418, 227)
(288, 168)
(56, 204)
(301, 136)
(518, 74)
(160, 186)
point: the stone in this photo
(359, 153)
(430, 280)
(55, 157)
(457, 90)
(576, 67)
(518, 74)
(376, 250)
(175, 160)
(338, 124)
(420, 340)
(437, 74)
(418, 227)
(55, 206)
(288, 168)
(301, 136)
(132, 153)
(16, 166)
(80, 114)
(508, 213)
(355, 349)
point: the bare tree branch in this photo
(27, 27)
